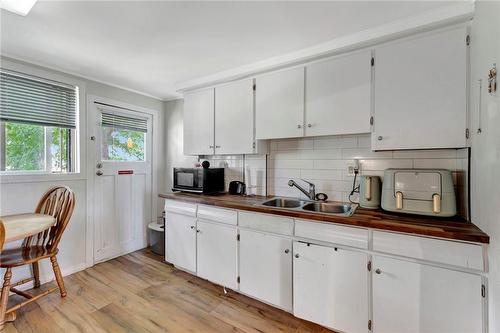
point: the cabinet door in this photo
(199, 122)
(181, 241)
(279, 107)
(234, 118)
(217, 254)
(410, 297)
(266, 268)
(330, 287)
(421, 92)
(338, 95)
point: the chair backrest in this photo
(2, 235)
(59, 202)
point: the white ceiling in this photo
(151, 46)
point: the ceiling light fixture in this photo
(19, 7)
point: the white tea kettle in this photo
(369, 192)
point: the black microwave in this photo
(199, 180)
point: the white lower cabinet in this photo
(411, 297)
(266, 268)
(181, 240)
(217, 253)
(330, 287)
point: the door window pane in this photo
(122, 144)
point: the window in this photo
(123, 138)
(37, 124)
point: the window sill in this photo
(10, 178)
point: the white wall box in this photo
(330, 287)
(336, 234)
(279, 107)
(265, 222)
(414, 298)
(266, 268)
(199, 122)
(436, 250)
(181, 240)
(421, 92)
(217, 253)
(338, 95)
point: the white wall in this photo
(22, 197)
(485, 159)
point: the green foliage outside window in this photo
(122, 144)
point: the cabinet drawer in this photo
(218, 215)
(265, 222)
(436, 250)
(332, 233)
(180, 207)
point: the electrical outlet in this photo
(350, 170)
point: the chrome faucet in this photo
(311, 194)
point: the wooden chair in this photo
(58, 202)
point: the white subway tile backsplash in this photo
(364, 153)
(364, 141)
(313, 174)
(332, 164)
(328, 142)
(438, 153)
(442, 163)
(291, 164)
(377, 165)
(295, 144)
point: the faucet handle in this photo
(306, 181)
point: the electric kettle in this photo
(369, 192)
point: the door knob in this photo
(99, 172)
(99, 165)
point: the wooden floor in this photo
(139, 293)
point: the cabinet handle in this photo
(379, 138)
(299, 126)
(297, 255)
(287, 251)
(217, 146)
(309, 125)
(210, 146)
(378, 271)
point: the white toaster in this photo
(419, 191)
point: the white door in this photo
(199, 122)
(279, 104)
(234, 118)
(217, 254)
(266, 268)
(122, 182)
(421, 92)
(181, 241)
(330, 287)
(415, 298)
(338, 95)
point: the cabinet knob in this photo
(210, 146)
(198, 230)
(217, 146)
(192, 227)
(309, 125)
(379, 138)
(297, 255)
(299, 126)
(378, 271)
(287, 251)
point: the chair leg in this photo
(59, 278)
(4, 298)
(36, 274)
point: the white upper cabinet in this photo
(414, 298)
(234, 118)
(279, 99)
(338, 95)
(330, 287)
(421, 92)
(199, 122)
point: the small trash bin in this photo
(157, 238)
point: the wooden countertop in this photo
(451, 228)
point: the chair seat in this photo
(23, 256)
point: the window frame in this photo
(79, 169)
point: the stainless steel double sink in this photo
(328, 207)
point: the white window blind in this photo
(124, 122)
(29, 100)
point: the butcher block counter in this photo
(449, 228)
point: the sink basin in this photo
(284, 203)
(330, 208)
